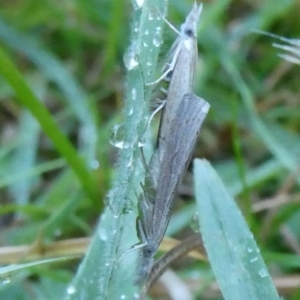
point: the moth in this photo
(180, 71)
(182, 117)
(156, 203)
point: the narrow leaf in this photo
(231, 248)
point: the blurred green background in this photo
(70, 53)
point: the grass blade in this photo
(56, 72)
(28, 99)
(116, 231)
(232, 251)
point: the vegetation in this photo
(70, 148)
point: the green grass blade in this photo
(102, 275)
(24, 158)
(7, 270)
(28, 99)
(50, 66)
(274, 145)
(231, 249)
(254, 176)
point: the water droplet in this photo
(146, 32)
(94, 164)
(158, 29)
(151, 17)
(137, 4)
(107, 199)
(71, 290)
(128, 208)
(102, 234)
(157, 42)
(136, 27)
(129, 164)
(263, 273)
(250, 249)
(117, 135)
(142, 141)
(133, 94)
(149, 63)
(130, 112)
(123, 297)
(195, 223)
(5, 280)
(130, 56)
(253, 259)
(145, 44)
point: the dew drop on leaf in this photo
(71, 290)
(117, 135)
(137, 4)
(130, 56)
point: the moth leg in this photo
(141, 232)
(145, 165)
(142, 237)
(170, 68)
(161, 106)
(171, 25)
(162, 77)
(163, 90)
(144, 221)
(168, 23)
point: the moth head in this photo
(189, 27)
